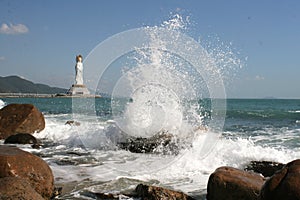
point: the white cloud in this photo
(12, 29)
(2, 58)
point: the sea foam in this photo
(2, 103)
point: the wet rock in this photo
(20, 118)
(56, 192)
(12, 188)
(72, 123)
(15, 162)
(228, 183)
(158, 193)
(160, 143)
(284, 184)
(22, 138)
(266, 168)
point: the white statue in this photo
(79, 71)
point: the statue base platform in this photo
(78, 90)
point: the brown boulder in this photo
(15, 162)
(228, 183)
(12, 188)
(284, 184)
(20, 118)
(157, 193)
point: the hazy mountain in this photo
(16, 84)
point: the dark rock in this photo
(228, 183)
(72, 123)
(284, 184)
(12, 188)
(160, 143)
(15, 162)
(20, 118)
(266, 168)
(158, 193)
(56, 192)
(21, 138)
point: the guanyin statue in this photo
(79, 71)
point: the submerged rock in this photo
(15, 162)
(228, 183)
(266, 168)
(20, 118)
(284, 184)
(158, 193)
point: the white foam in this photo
(2, 103)
(294, 111)
(189, 171)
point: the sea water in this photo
(255, 129)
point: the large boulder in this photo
(228, 183)
(284, 184)
(15, 162)
(12, 188)
(157, 193)
(20, 118)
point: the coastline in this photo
(33, 95)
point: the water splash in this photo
(161, 80)
(164, 87)
(177, 22)
(227, 58)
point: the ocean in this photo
(85, 159)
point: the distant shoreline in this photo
(33, 95)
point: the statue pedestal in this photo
(78, 90)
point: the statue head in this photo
(79, 58)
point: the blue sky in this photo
(40, 39)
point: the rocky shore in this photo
(27, 176)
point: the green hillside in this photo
(15, 84)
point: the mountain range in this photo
(16, 84)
